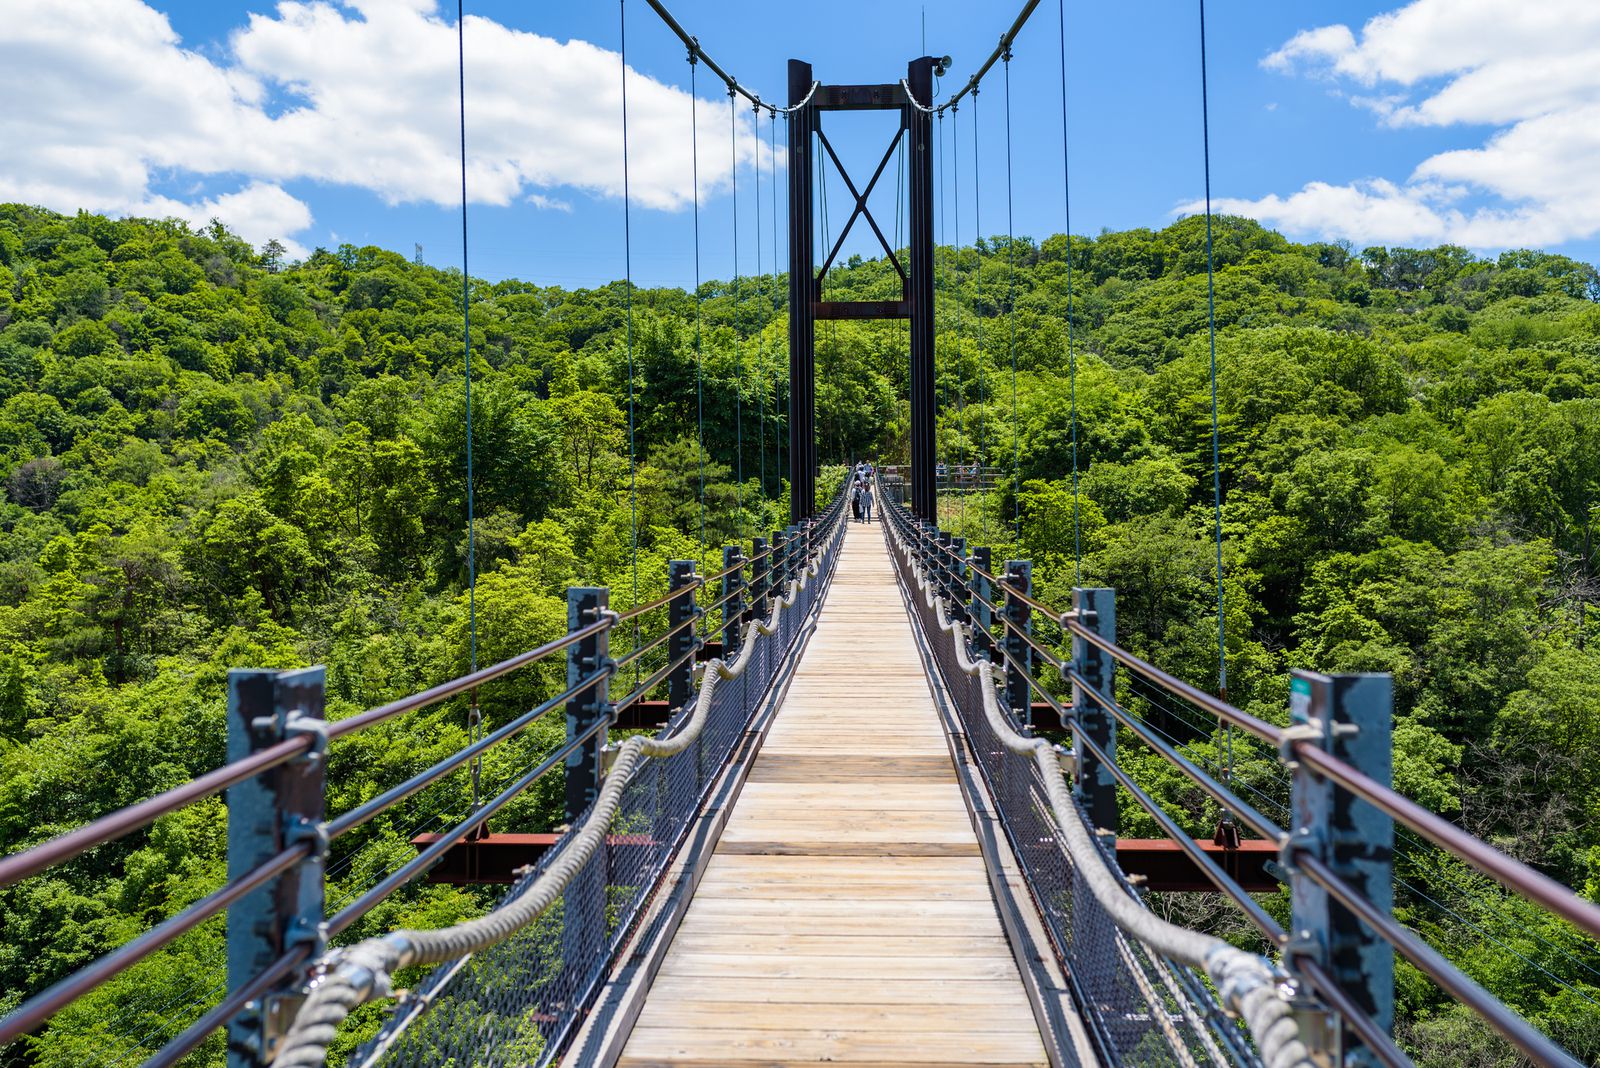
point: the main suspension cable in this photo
(692, 43)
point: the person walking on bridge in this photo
(855, 502)
(866, 501)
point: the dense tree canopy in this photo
(213, 458)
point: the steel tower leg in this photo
(919, 76)
(802, 323)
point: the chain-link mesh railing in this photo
(1141, 1008)
(519, 1001)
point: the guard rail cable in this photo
(354, 975)
(1248, 984)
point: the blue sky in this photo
(1471, 121)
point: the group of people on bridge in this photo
(861, 492)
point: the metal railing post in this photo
(266, 815)
(947, 575)
(732, 599)
(1351, 718)
(760, 568)
(586, 660)
(958, 572)
(1096, 787)
(1019, 655)
(982, 597)
(777, 575)
(681, 609)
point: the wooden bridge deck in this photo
(846, 914)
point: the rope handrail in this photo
(306, 740)
(1509, 872)
(1247, 983)
(1294, 745)
(360, 973)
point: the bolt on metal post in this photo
(587, 659)
(732, 598)
(681, 611)
(982, 598)
(1096, 787)
(1350, 717)
(267, 814)
(1019, 654)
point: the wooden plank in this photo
(846, 914)
(749, 1044)
(785, 767)
(779, 868)
(860, 906)
(827, 847)
(852, 1016)
(861, 945)
(760, 992)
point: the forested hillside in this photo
(214, 458)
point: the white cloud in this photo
(1529, 70)
(260, 212)
(363, 94)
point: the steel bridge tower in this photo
(806, 306)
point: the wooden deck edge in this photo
(1050, 994)
(604, 1035)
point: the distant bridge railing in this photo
(279, 833)
(948, 478)
(1335, 853)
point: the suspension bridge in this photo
(855, 796)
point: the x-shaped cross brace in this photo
(861, 203)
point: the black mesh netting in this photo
(1141, 1009)
(519, 1002)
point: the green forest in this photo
(212, 457)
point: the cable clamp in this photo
(1067, 760)
(315, 727)
(1310, 731)
(1301, 839)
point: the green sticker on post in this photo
(1299, 698)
